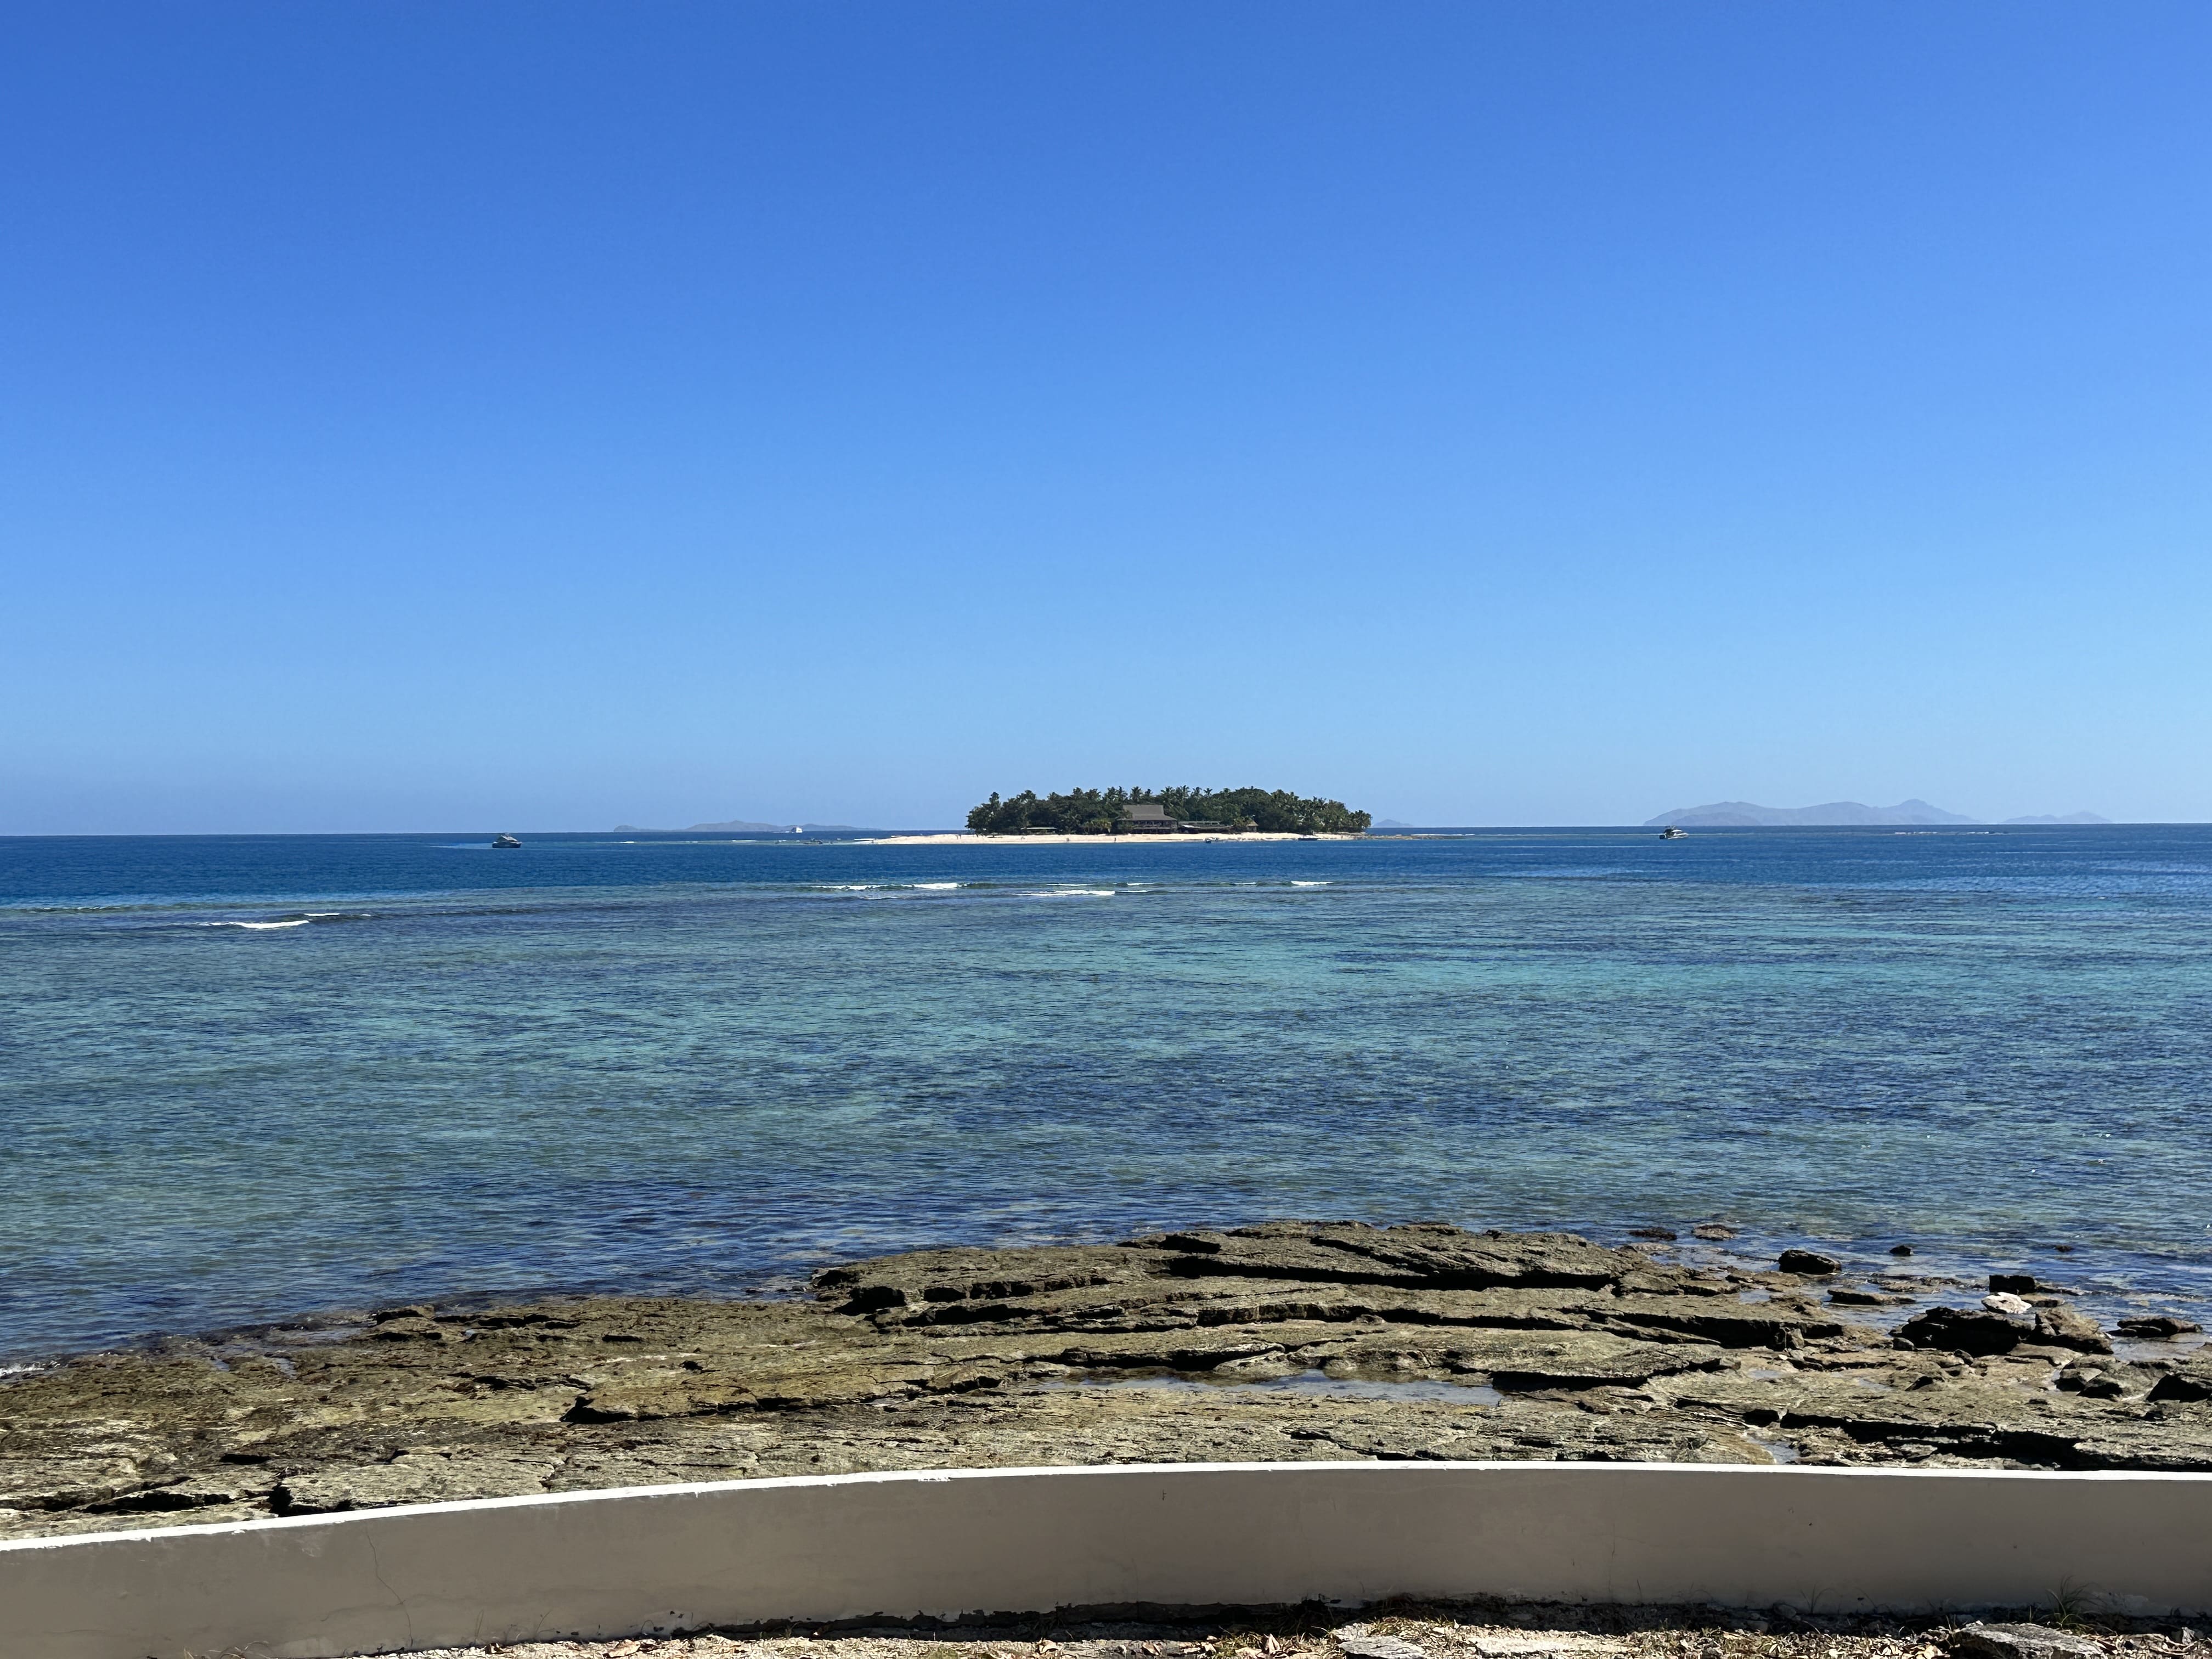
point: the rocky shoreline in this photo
(1287, 1341)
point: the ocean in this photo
(245, 1079)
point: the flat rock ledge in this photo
(1292, 1340)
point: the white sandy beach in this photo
(969, 838)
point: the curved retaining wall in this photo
(742, 1552)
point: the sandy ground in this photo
(1429, 1632)
(963, 838)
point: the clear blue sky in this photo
(431, 416)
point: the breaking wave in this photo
(305, 918)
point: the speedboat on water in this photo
(1670, 833)
(505, 840)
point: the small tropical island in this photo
(1183, 810)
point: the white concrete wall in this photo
(605, 1563)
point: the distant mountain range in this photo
(1737, 814)
(743, 827)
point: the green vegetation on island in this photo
(1140, 811)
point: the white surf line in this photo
(961, 838)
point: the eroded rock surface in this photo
(1292, 1340)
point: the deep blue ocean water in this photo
(246, 1078)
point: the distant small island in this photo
(1139, 810)
(1742, 814)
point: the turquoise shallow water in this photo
(662, 1063)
